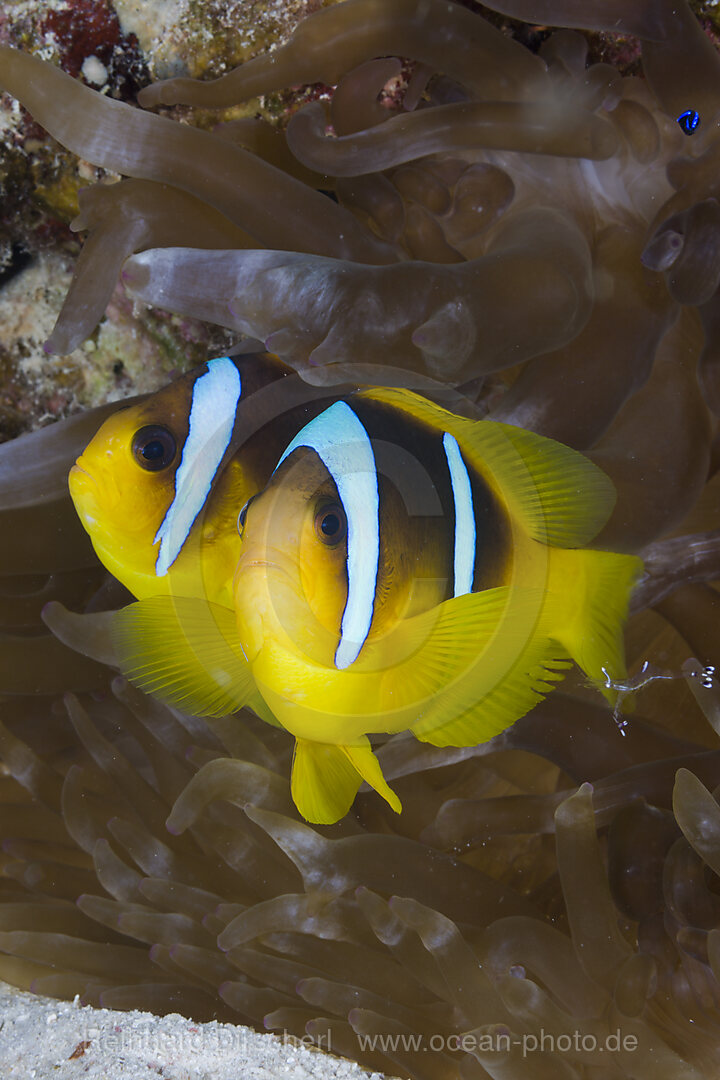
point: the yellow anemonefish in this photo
(402, 568)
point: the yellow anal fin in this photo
(325, 779)
(559, 496)
(590, 595)
(185, 652)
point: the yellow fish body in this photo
(404, 568)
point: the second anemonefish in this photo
(404, 568)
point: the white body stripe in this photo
(465, 531)
(341, 442)
(212, 417)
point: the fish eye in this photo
(331, 524)
(154, 447)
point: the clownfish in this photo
(401, 567)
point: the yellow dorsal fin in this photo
(184, 651)
(325, 779)
(559, 496)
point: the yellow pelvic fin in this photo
(325, 779)
(184, 651)
(591, 592)
(489, 661)
(363, 759)
(559, 496)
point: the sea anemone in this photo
(545, 236)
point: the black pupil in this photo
(330, 525)
(153, 450)
(154, 447)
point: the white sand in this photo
(41, 1039)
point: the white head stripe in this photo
(465, 532)
(341, 442)
(210, 425)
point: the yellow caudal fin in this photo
(184, 651)
(325, 779)
(590, 597)
(559, 496)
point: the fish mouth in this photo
(265, 572)
(245, 566)
(265, 590)
(84, 491)
(90, 493)
(250, 562)
(79, 469)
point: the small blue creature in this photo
(689, 121)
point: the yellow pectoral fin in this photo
(492, 659)
(560, 497)
(184, 651)
(325, 779)
(260, 707)
(490, 646)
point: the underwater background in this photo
(544, 251)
